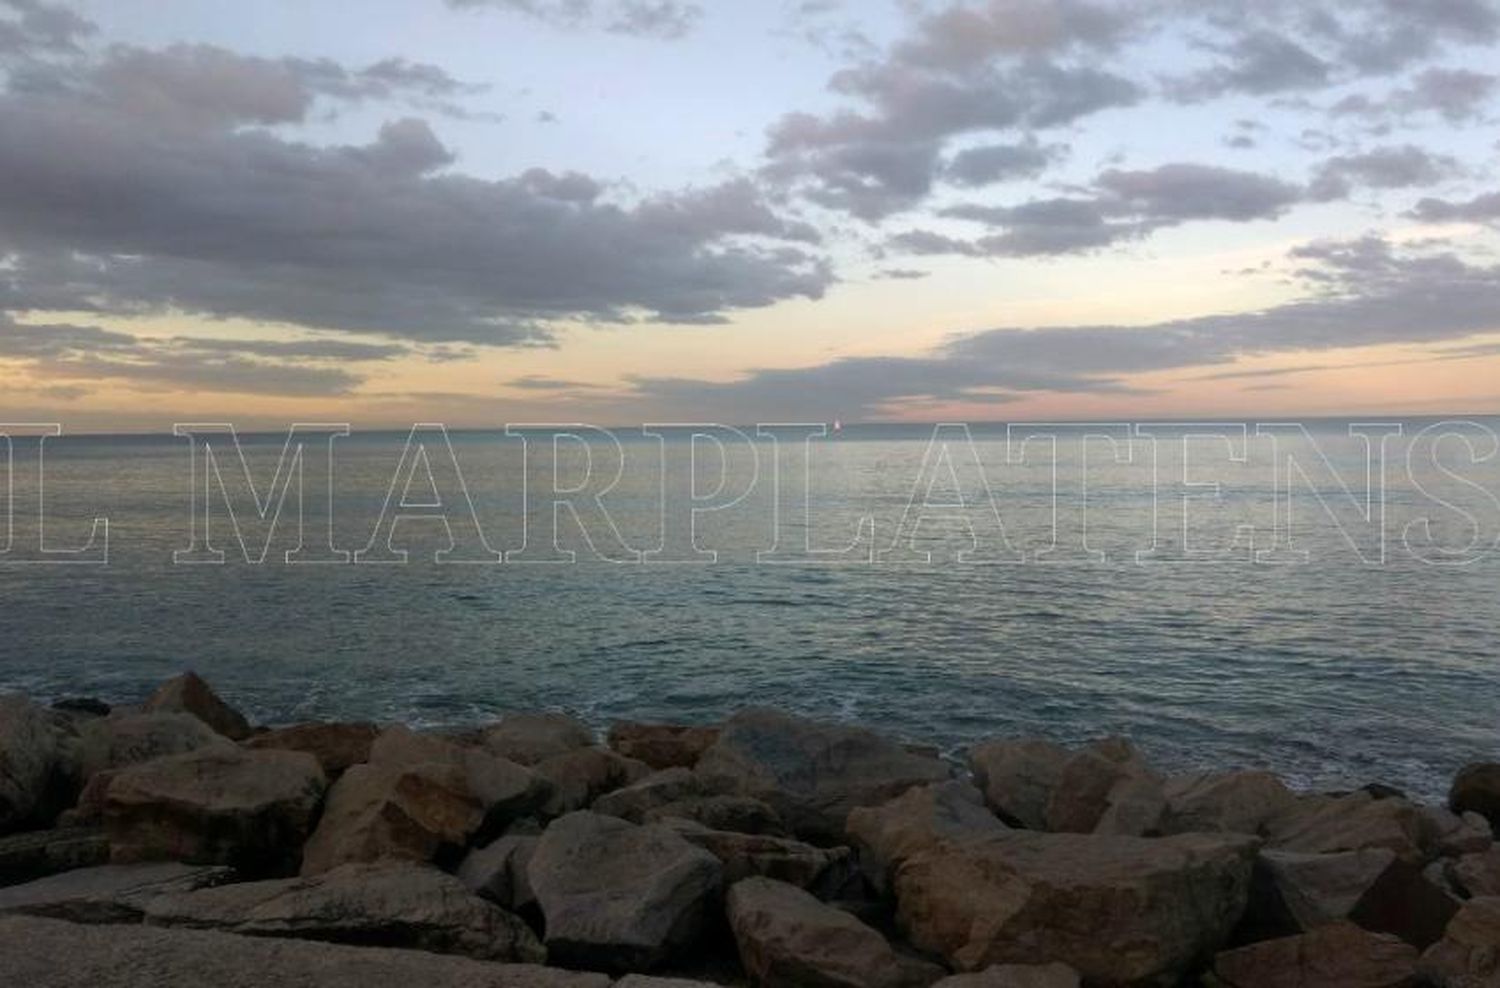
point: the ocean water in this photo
(1334, 626)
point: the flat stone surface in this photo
(107, 894)
(38, 953)
(29, 856)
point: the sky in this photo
(483, 212)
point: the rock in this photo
(634, 801)
(1015, 976)
(189, 694)
(812, 774)
(394, 904)
(1017, 778)
(505, 790)
(25, 857)
(741, 814)
(248, 809)
(781, 858)
(82, 706)
(1294, 893)
(36, 780)
(617, 896)
(581, 776)
(1476, 789)
(647, 981)
(337, 747)
(1329, 824)
(1451, 835)
(1468, 956)
(423, 812)
(1225, 802)
(918, 820)
(528, 739)
(1478, 875)
(498, 872)
(788, 939)
(156, 957)
(1338, 956)
(1122, 911)
(1107, 788)
(122, 740)
(662, 746)
(109, 893)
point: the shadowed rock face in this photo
(154, 957)
(1468, 956)
(812, 774)
(1122, 911)
(918, 820)
(1476, 789)
(337, 747)
(1015, 976)
(662, 746)
(36, 770)
(617, 896)
(189, 694)
(1337, 956)
(108, 893)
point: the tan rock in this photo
(498, 871)
(1223, 802)
(1451, 835)
(647, 981)
(616, 896)
(581, 776)
(742, 814)
(249, 809)
(634, 801)
(157, 957)
(662, 746)
(1017, 778)
(107, 893)
(122, 740)
(812, 774)
(1468, 956)
(505, 790)
(1476, 789)
(788, 939)
(1015, 976)
(1122, 911)
(1329, 824)
(189, 694)
(781, 858)
(1337, 956)
(527, 739)
(1107, 788)
(394, 904)
(337, 747)
(1478, 875)
(920, 819)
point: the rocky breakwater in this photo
(173, 843)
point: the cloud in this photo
(1402, 167)
(660, 19)
(1258, 63)
(1457, 95)
(1480, 209)
(37, 27)
(999, 163)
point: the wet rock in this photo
(1337, 956)
(788, 939)
(36, 774)
(528, 739)
(1107, 788)
(1329, 824)
(617, 896)
(812, 774)
(157, 957)
(1224, 802)
(1018, 777)
(662, 746)
(28, 856)
(1468, 956)
(249, 809)
(337, 747)
(109, 893)
(920, 819)
(394, 904)
(1476, 789)
(1122, 911)
(781, 858)
(498, 872)
(189, 694)
(581, 776)
(1015, 976)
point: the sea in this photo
(1318, 598)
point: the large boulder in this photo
(249, 809)
(813, 774)
(528, 739)
(1476, 789)
(1223, 802)
(677, 793)
(189, 694)
(1017, 778)
(337, 747)
(617, 896)
(781, 858)
(108, 893)
(581, 776)
(394, 904)
(1477, 875)
(1107, 788)
(1015, 976)
(505, 790)
(1329, 824)
(1452, 835)
(159, 957)
(424, 812)
(36, 773)
(28, 856)
(918, 820)
(788, 939)
(124, 739)
(662, 746)
(1468, 956)
(1122, 911)
(497, 871)
(1337, 956)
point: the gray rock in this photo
(1329, 824)
(634, 801)
(812, 774)
(617, 896)
(25, 857)
(109, 893)
(1468, 956)
(1015, 976)
(781, 858)
(1476, 789)
(189, 694)
(1107, 788)
(35, 771)
(647, 981)
(155, 957)
(662, 746)
(394, 904)
(1337, 956)
(122, 740)
(528, 739)
(581, 776)
(337, 747)
(677, 793)
(1224, 802)
(498, 871)
(1017, 778)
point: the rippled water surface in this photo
(1339, 669)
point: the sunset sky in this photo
(618, 211)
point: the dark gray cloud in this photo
(1000, 163)
(1258, 63)
(1457, 95)
(38, 27)
(1480, 209)
(1401, 167)
(663, 19)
